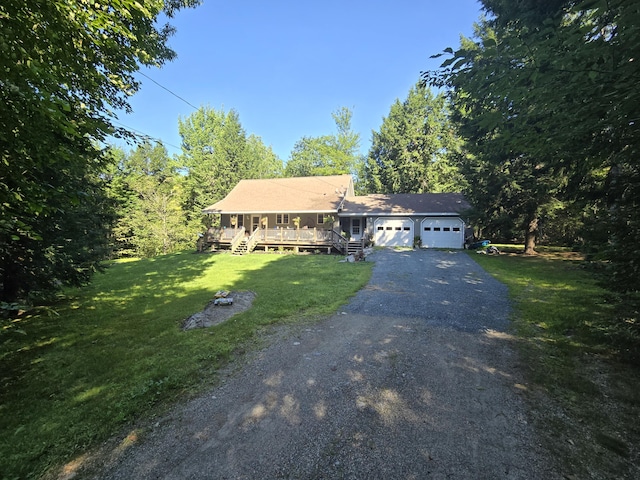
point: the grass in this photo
(75, 373)
(585, 401)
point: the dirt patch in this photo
(215, 314)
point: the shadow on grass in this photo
(114, 349)
(585, 400)
(370, 393)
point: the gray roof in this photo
(437, 204)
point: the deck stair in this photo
(247, 244)
(241, 249)
(355, 247)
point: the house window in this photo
(427, 229)
(456, 229)
(320, 219)
(380, 229)
(447, 229)
(407, 229)
(436, 229)
(282, 218)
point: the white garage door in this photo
(442, 233)
(393, 232)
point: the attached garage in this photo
(393, 232)
(396, 219)
(442, 232)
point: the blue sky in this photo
(285, 66)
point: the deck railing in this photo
(298, 235)
(338, 241)
(221, 234)
(252, 241)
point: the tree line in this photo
(158, 200)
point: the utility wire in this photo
(165, 88)
(149, 137)
(146, 136)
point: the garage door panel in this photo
(442, 233)
(393, 232)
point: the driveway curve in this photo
(416, 378)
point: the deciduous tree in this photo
(556, 82)
(64, 66)
(150, 189)
(216, 154)
(333, 154)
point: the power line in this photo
(165, 88)
(146, 136)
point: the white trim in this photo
(405, 214)
(268, 212)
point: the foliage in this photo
(216, 155)
(415, 149)
(150, 193)
(555, 83)
(333, 154)
(115, 352)
(262, 162)
(65, 66)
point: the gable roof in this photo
(282, 195)
(436, 204)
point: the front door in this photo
(255, 223)
(356, 229)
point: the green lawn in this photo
(585, 400)
(75, 373)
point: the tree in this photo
(334, 154)
(261, 162)
(65, 66)
(216, 155)
(512, 185)
(150, 193)
(555, 82)
(415, 148)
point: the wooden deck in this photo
(238, 240)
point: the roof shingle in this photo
(405, 204)
(282, 195)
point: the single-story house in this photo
(311, 213)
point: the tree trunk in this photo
(530, 235)
(10, 283)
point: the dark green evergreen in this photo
(552, 86)
(416, 149)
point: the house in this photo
(323, 213)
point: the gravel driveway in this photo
(415, 378)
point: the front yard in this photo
(106, 355)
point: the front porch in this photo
(239, 240)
